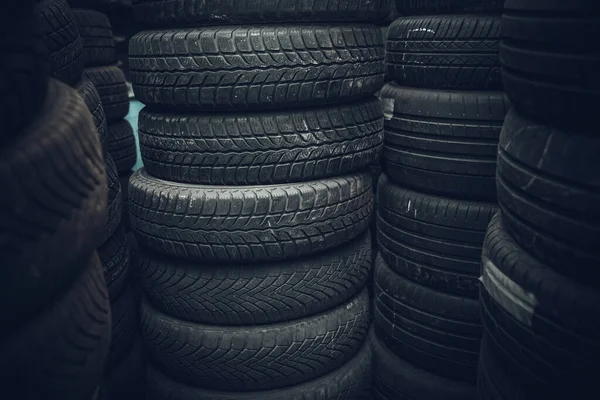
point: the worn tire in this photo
(114, 255)
(549, 192)
(261, 148)
(443, 142)
(433, 7)
(97, 35)
(233, 68)
(494, 380)
(110, 83)
(60, 353)
(124, 328)
(258, 357)
(542, 325)
(248, 223)
(445, 52)
(121, 145)
(127, 379)
(88, 92)
(125, 198)
(115, 200)
(53, 205)
(433, 241)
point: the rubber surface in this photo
(241, 294)
(199, 12)
(445, 52)
(396, 379)
(414, 7)
(114, 255)
(125, 197)
(53, 198)
(124, 328)
(249, 223)
(433, 241)
(61, 39)
(494, 380)
(115, 201)
(549, 192)
(261, 147)
(110, 83)
(352, 381)
(443, 142)
(121, 146)
(88, 92)
(97, 35)
(127, 380)
(60, 353)
(227, 68)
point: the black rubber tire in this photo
(102, 5)
(53, 205)
(233, 68)
(97, 35)
(124, 328)
(443, 142)
(200, 12)
(352, 381)
(242, 294)
(121, 145)
(88, 92)
(433, 241)
(433, 7)
(125, 198)
(438, 332)
(111, 85)
(114, 255)
(127, 380)
(549, 72)
(248, 223)
(494, 380)
(261, 148)
(397, 379)
(445, 52)
(60, 353)
(61, 39)
(549, 192)
(542, 325)
(256, 357)
(115, 199)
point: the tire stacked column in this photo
(443, 115)
(540, 294)
(253, 208)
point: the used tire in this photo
(227, 68)
(115, 201)
(443, 142)
(445, 52)
(258, 357)
(53, 205)
(61, 38)
(88, 92)
(261, 148)
(114, 255)
(125, 197)
(248, 223)
(494, 379)
(127, 380)
(414, 7)
(60, 353)
(433, 241)
(549, 193)
(97, 35)
(124, 328)
(542, 325)
(110, 83)
(121, 146)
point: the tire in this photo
(255, 294)
(60, 353)
(124, 179)
(124, 328)
(88, 92)
(494, 380)
(61, 39)
(352, 381)
(433, 241)
(397, 379)
(53, 199)
(261, 148)
(182, 12)
(236, 68)
(259, 357)
(248, 223)
(121, 146)
(443, 142)
(448, 52)
(112, 88)
(549, 193)
(416, 7)
(548, 72)
(127, 380)
(114, 255)
(97, 35)
(541, 325)
(115, 200)
(438, 332)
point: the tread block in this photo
(121, 146)
(97, 35)
(111, 85)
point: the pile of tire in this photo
(56, 318)
(444, 110)
(540, 292)
(253, 208)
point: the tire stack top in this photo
(540, 293)
(55, 331)
(253, 208)
(443, 110)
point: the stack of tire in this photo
(252, 212)
(55, 331)
(540, 294)
(443, 115)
